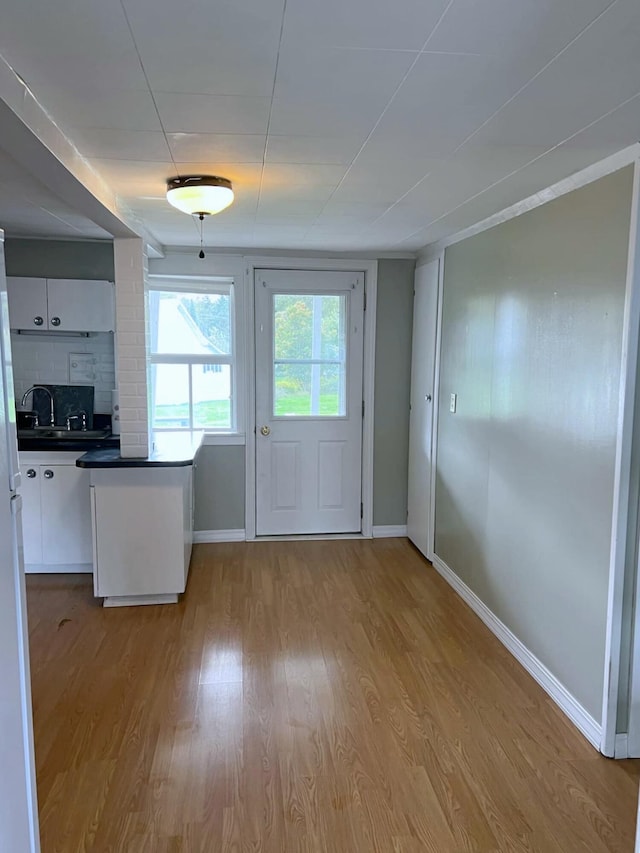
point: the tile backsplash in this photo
(45, 359)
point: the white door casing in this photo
(309, 459)
(421, 420)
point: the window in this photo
(193, 377)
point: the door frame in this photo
(370, 270)
(431, 543)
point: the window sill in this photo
(217, 438)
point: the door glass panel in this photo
(211, 389)
(309, 364)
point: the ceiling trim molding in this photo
(31, 136)
(598, 170)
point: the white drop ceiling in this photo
(355, 125)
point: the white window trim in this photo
(214, 283)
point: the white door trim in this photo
(370, 270)
(431, 544)
(620, 515)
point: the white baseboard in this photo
(388, 531)
(621, 749)
(58, 569)
(578, 715)
(233, 535)
(139, 600)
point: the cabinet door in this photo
(27, 303)
(31, 514)
(80, 306)
(66, 514)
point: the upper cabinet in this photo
(61, 304)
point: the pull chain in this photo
(201, 253)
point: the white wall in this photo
(531, 344)
(45, 358)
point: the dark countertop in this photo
(176, 453)
(40, 442)
(110, 443)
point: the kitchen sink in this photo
(64, 434)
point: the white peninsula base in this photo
(142, 522)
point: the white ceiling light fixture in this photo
(200, 195)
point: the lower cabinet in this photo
(143, 532)
(56, 513)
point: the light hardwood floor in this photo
(313, 696)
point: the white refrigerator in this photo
(18, 803)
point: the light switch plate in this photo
(453, 401)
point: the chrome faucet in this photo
(41, 388)
(82, 417)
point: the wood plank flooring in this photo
(304, 697)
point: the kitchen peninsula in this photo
(142, 523)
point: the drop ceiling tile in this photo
(532, 31)
(85, 106)
(276, 206)
(226, 48)
(225, 147)
(319, 118)
(453, 181)
(365, 183)
(404, 24)
(308, 149)
(616, 130)
(132, 178)
(595, 75)
(444, 99)
(357, 209)
(212, 113)
(59, 44)
(321, 72)
(366, 193)
(301, 176)
(317, 193)
(110, 144)
(268, 233)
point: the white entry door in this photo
(309, 346)
(423, 361)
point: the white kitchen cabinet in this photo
(61, 304)
(56, 513)
(27, 303)
(143, 533)
(31, 513)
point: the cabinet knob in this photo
(38, 321)
(55, 321)
(31, 473)
(48, 474)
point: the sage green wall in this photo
(59, 259)
(531, 344)
(220, 475)
(219, 488)
(394, 319)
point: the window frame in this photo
(204, 285)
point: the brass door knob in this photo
(265, 430)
